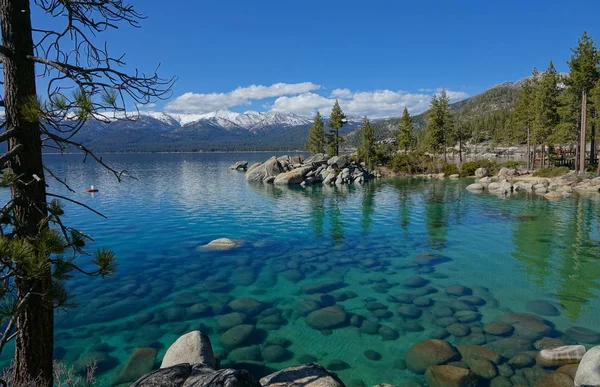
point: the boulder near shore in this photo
(317, 169)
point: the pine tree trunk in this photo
(35, 324)
(460, 149)
(593, 139)
(583, 137)
(533, 155)
(528, 151)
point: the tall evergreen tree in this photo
(546, 117)
(366, 149)
(583, 76)
(53, 78)
(439, 125)
(337, 119)
(405, 138)
(316, 136)
(524, 110)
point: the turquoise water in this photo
(522, 248)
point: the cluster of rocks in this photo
(554, 365)
(190, 362)
(286, 170)
(507, 181)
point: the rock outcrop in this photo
(307, 375)
(286, 170)
(192, 348)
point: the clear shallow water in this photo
(521, 248)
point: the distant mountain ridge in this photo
(221, 130)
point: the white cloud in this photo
(204, 103)
(375, 104)
(301, 98)
(341, 93)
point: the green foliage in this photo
(366, 149)
(584, 64)
(551, 172)
(109, 97)
(32, 109)
(337, 119)
(84, 104)
(412, 163)
(316, 136)
(450, 169)
(468, 168)
(439, 125)
(545, 106)
(511, 164)
(405, 139)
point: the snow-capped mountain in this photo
(251, 120)
(221, 130)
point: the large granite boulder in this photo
(318, 159)
(588, 372)
(429, 353)
(307, 375)
(295, 176)
(270, 168)
(191, 348)
(186, 375)
(481, 172)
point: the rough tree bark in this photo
(34, 341)
(583, 137)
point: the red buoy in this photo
(91, 189)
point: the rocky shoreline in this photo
(509, 361)
(508, 181)
(317, 169)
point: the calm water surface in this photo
(521, 248)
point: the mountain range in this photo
(221, 130)
(224, 130)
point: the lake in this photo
(356, 244)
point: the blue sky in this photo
(376, 56)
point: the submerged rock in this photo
(308, 375)
(222, 244)
(429, 353)
(326, 318)
(191, 348)
(449, 376)
(140, 363)
(236, 336)
(583, 335)
(542, 308)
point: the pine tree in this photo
(405, 137)
(439, 125)
(316, 136)
(545, 104)
(337, 119)
(583, 77)
(524, 111)
(366, 149)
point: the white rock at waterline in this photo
(222, 244)
(192, 348)
(475, 187)
(588, 372)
